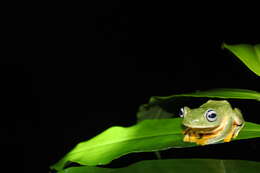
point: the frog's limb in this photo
(221, 134)
(193, 136)
(230, 134)
(189, 138)
(239, 117)
(202, 141)
(190, 135)
(186, 138)
(238, 121)
(237, 130)
(186, 133)
(205, 138)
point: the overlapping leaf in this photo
(224, 93)
(248, 54)
(176, 166)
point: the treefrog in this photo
(213, 122)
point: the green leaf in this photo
(251, 130)
(146, 136)
(248, 54)
(225, 93)
(176, 166)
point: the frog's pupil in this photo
(212, 115)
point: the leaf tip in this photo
(226, 46)
(153, 99)
(223, 45)
(59, 166)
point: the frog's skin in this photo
(212, 122)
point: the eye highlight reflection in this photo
(181, 112)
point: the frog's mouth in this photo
(204, 131)
(202, 135)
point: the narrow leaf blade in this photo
(225, 93)
(248, 54)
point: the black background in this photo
(68, 72)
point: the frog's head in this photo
(209, 115)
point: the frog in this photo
(213, 122)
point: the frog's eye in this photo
(211, 115)
(182, 112)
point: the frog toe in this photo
(237, 130)
(186, 138)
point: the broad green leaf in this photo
(177, 166)
(146, 136)
(251, 130)
(225, 93)
(248, 54)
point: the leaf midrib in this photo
(126, 140)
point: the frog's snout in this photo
(191, 123)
